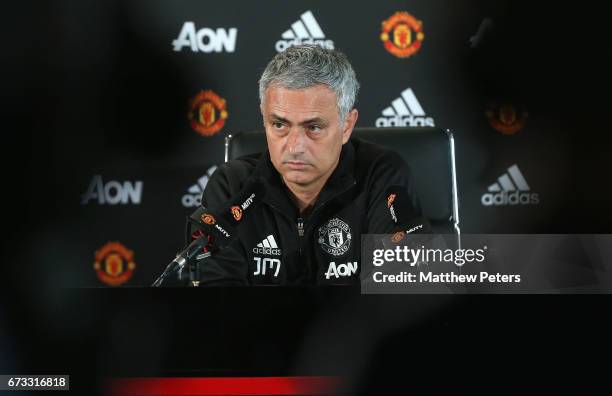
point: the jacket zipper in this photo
(300, 230)
(300, 220)
(300, 225)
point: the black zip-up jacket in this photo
(275, 246)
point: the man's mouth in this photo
(296, 165)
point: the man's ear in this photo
(349, 124)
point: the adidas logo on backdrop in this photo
(305, 30)
(511, 189)
(193, 197)
(405, 111)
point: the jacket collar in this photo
(278, 195)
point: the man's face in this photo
(304, 133)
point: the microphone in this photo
(182, 258)
(220, 232)
(208, 229)
(214, 229)
(221, 225)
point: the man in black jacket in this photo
(322, 189)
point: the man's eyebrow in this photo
(279, 118)
(315, 120)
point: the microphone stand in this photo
(191, 257)
(184, 259)
(194, 268)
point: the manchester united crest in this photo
(507, 119)
(114, 264)
(207, 113)
(398, 236)
(207, 218)
(335, 237)
(237, 212)
(402, 34)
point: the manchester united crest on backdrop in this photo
(114, 264)
(506, 119)
(402, 34)
(207, 113)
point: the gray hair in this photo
(307, 65)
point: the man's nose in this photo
(296, 141)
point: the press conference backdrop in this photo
(141, 94)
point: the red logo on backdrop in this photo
(402, 34)
(114, 264)
(390, 200)
(506, 119)
(208, 218)
(207, 113)
(237, 212)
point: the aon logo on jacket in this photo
(341, 270)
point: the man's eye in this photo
(314, 128)
(277, 125)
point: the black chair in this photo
(430, 153)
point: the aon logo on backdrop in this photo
(206, 39)
(112, 192)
